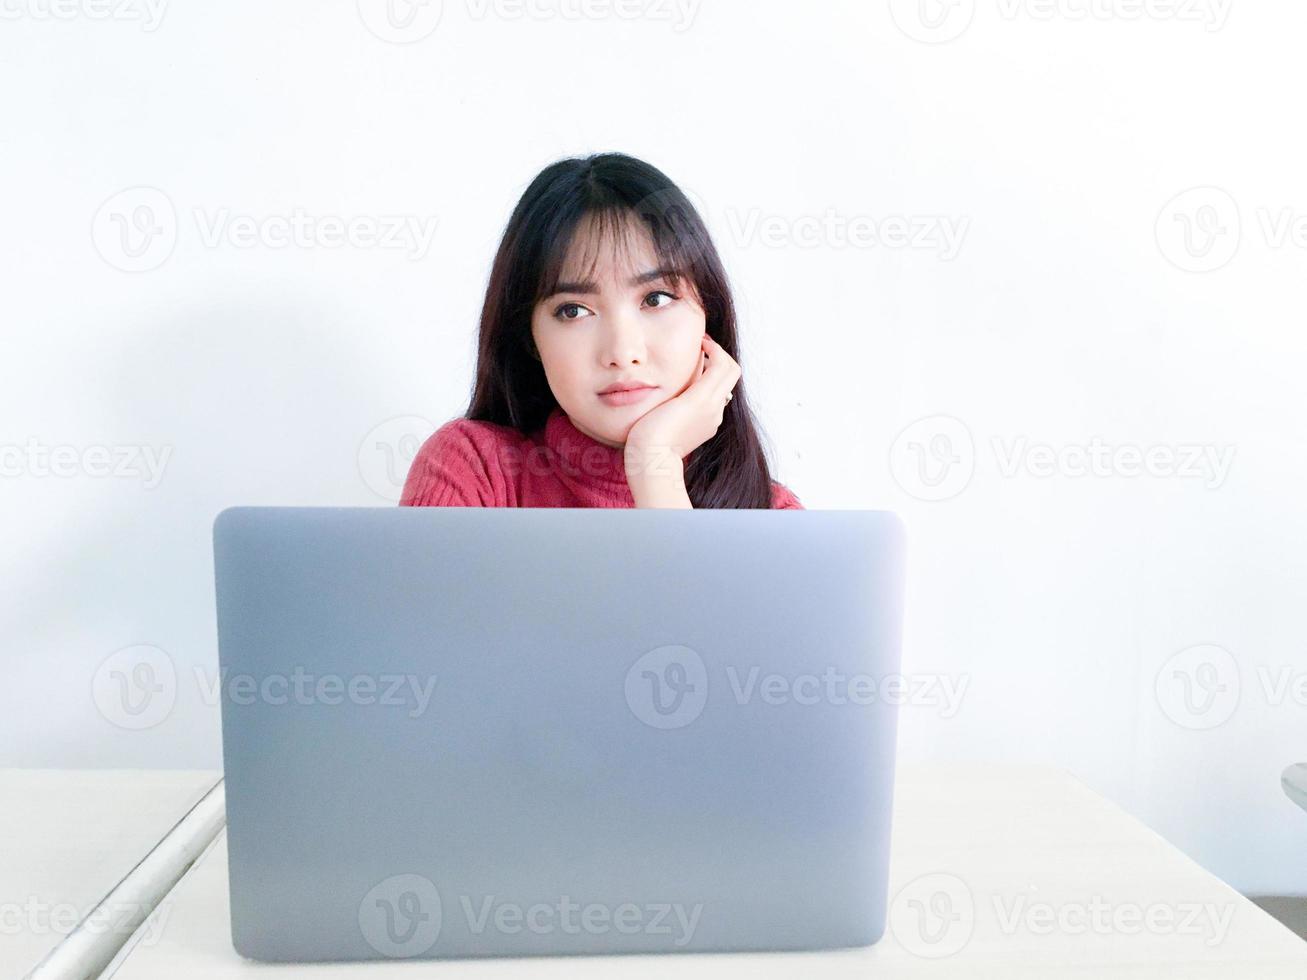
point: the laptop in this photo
(468, 732)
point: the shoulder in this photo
(460, 464)
(782, 498)
(462, 433)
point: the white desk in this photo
(67, 837)
(1016, 848)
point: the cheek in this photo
(562, 361)
(687, 337)
(680, 350)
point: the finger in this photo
(723, 368)
(719, 374)
(715, 351)
(717, 382)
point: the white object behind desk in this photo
(69, 836)
(995, 872)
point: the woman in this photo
(606, 371)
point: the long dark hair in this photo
(730, 470)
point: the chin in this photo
(596, 425)
(613, 424)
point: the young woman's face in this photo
(629, 326)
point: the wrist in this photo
(660, 491)
(653, 464)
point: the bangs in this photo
(616, 230)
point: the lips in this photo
(625, 395)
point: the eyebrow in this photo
(588, 287)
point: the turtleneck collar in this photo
(582, 459)
(585, 462)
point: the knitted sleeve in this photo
(449, 470)
(783, 498)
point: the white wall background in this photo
(1049, 138)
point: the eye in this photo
(671, 297)
(563, 311)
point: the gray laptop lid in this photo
(466, 731)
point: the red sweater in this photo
(467, 463)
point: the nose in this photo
(623, 341)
